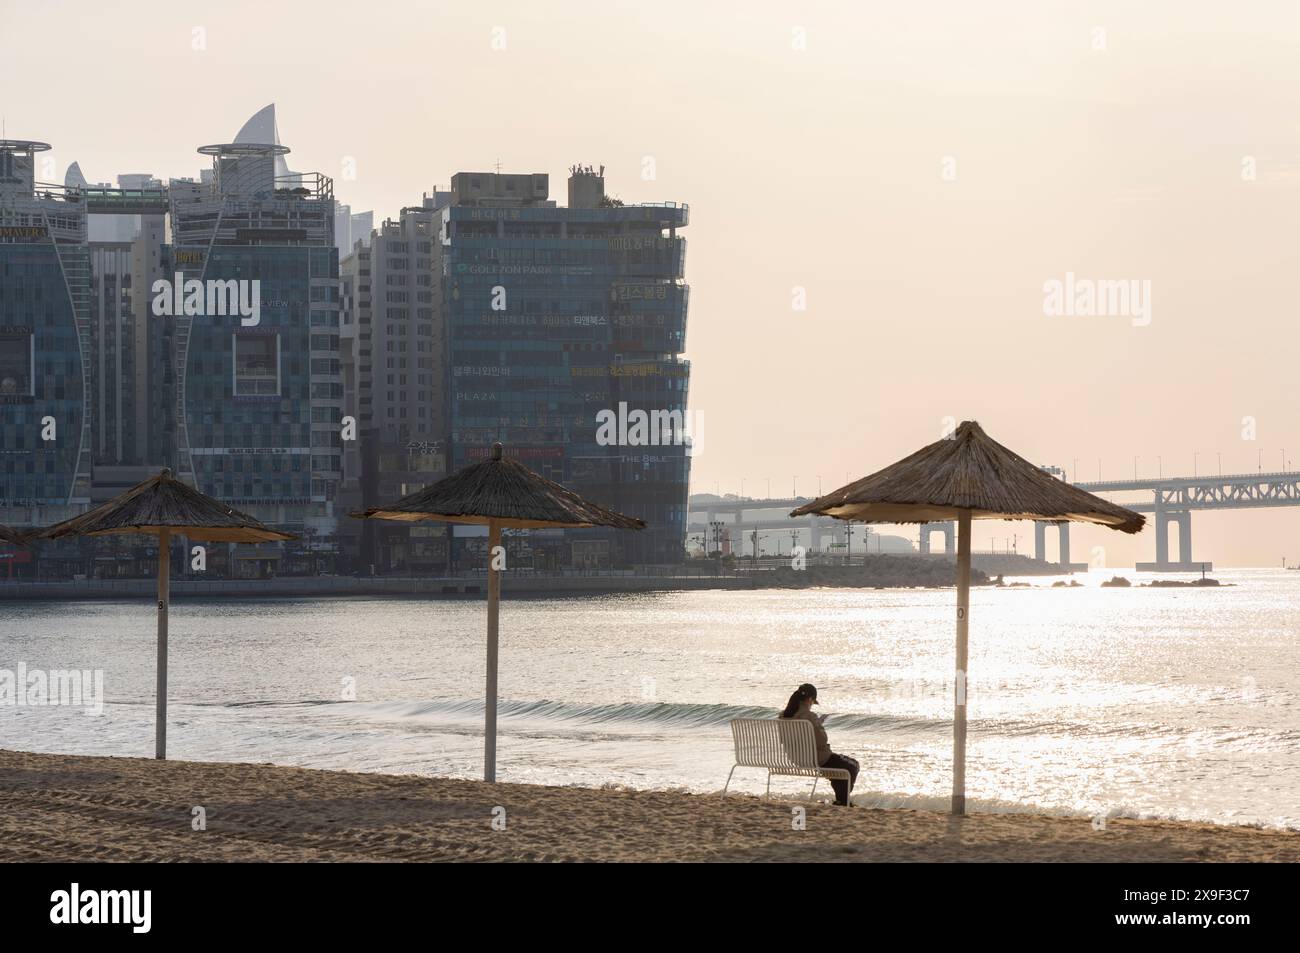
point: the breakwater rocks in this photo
(879, 572)
(1121, 582)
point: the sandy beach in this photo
(76, 808)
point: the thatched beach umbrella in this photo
(499, 493)
(159, 507)
(963, 477)
(13, 538)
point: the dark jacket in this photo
(823, 745)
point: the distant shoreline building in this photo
(45, 343)
(113, 332)
(351, 227)
(393, 384)
(485, 313)
(259, 406)
(553, 315)
(129, 350)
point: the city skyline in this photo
(490, 312)
(988, 160)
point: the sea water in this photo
(1090, 701)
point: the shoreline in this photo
(342, 587)
(90, 808)
(513, 586)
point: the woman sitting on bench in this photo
(800, 706)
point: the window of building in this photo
(257, 365)
(16, 356)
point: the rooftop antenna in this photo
(498, 165)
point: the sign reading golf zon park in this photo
(214, 297)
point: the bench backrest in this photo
(774, 743)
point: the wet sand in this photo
(76, 808)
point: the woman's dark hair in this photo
(803, 691)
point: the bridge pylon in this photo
(1163, 563)
(1062, 548)
(949, 530)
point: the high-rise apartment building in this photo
(45, 343)
(393, 373)
(113, 353)
(356, 340)
(260, 397)
(154, 384)
(129, 350)
(351, 227)
(555, 318)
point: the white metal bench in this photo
(781, 745)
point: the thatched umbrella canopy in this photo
(498, 493)
(13, 538)
(963, 477)
(159, 507)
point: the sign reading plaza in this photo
(214, 297)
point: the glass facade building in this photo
(114, 371)
(553, 316)
(44, 343)
(260, 404)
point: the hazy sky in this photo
(920, 169)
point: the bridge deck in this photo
(126, 201)
(1229, 491)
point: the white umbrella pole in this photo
(164, 590)
(494, 611)
(959, 689)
